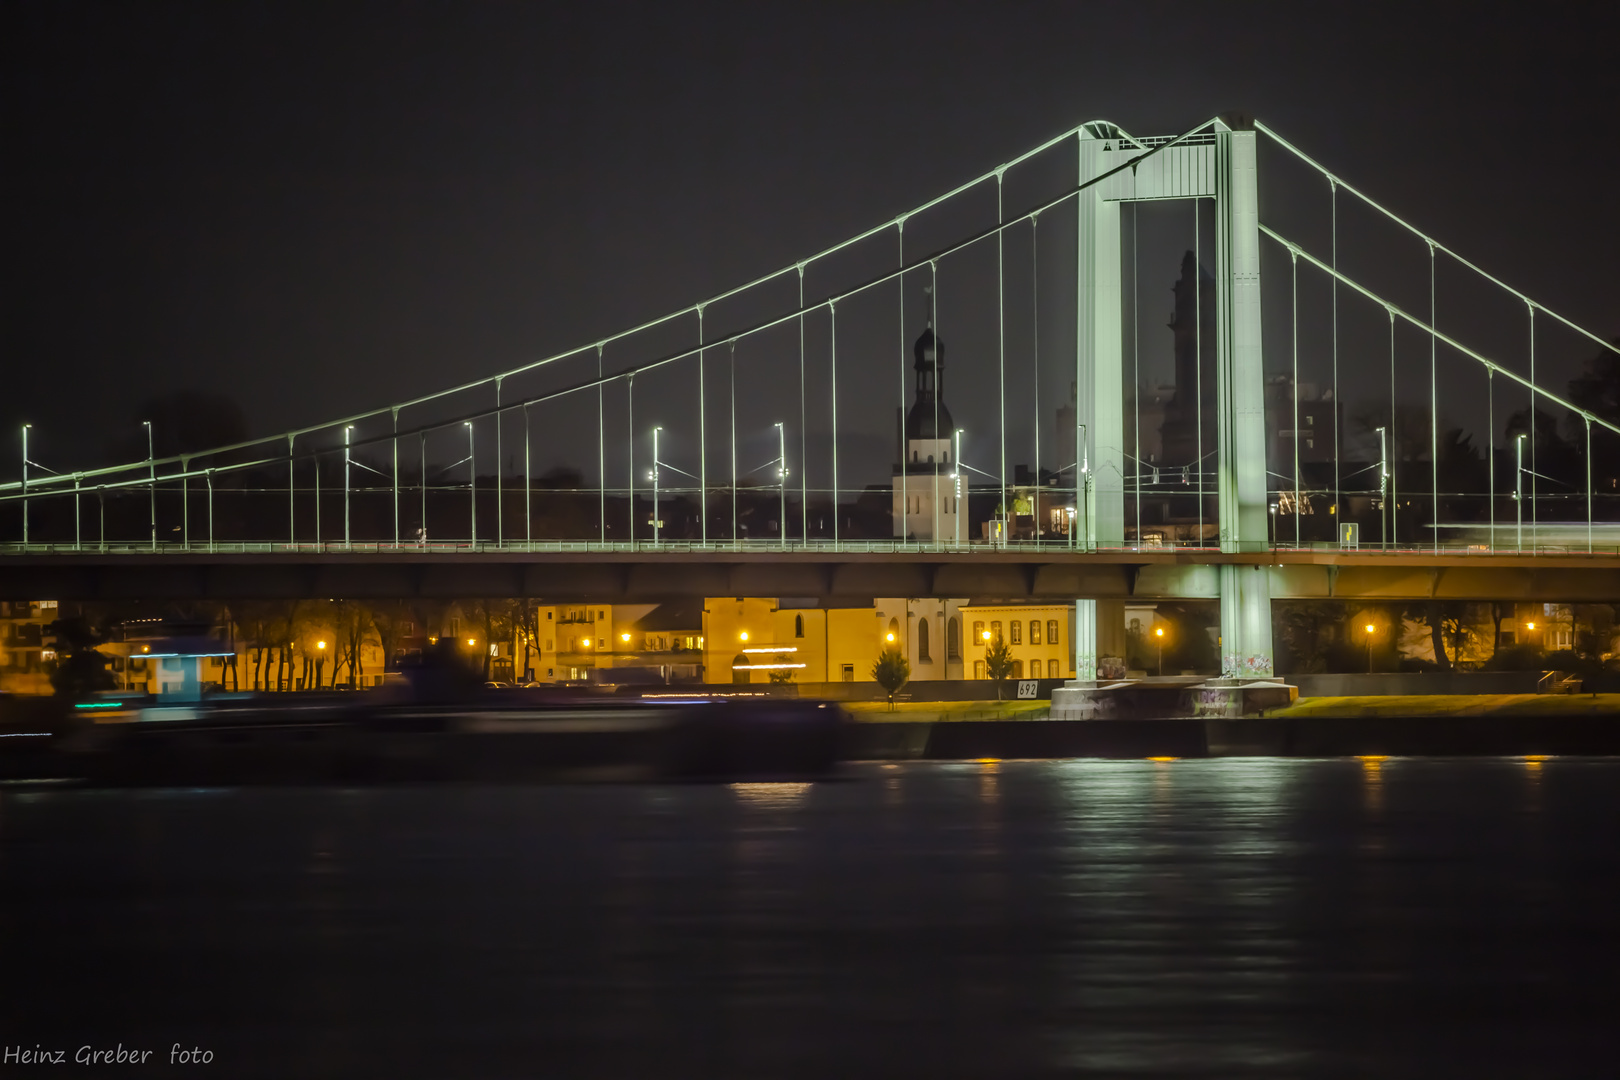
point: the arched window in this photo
(1017, 629)
(953, 639)
(1051, 631)
(798, 626)
(922, 641)
(1051, 669)
(1034, 631)
(1018, 666)
(737, 662)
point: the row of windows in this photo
(1018, 669)
(947, 504)
(1015, 632)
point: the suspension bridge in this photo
(1352, 409)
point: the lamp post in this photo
(956, 476)
(1370, 628)
(655, 522)
(151, 486)
(1158, 640)
(472, 485)
(346, 460)
(781, 482)
(1383, 481)
(1518, 489)
(25, 480)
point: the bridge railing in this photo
(457, 548)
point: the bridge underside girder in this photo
(828, 579)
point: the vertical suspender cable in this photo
(422, 449)
(1136, 375)
(601, 449)
(939, 356)
(500, 481)
(396, 475)
(1035, 351)
(317, 500)
(804, 456)
(1534, 469)
(703, 440)
(1298, 511)
(1338, 495)
(1394, 456)
(832, 315)
(1434, 410)
(185, 501)
(1490, 454)
(630, 471)
(1198, 352)
(1001, 336)
(900, 371)
(734, 537)
(528, 494)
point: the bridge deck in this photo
(853, 571)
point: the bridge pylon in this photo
(1220, 166)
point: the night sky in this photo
(315, 209)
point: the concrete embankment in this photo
(1335, 736)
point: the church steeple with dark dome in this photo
(927, 485)
(928, 418)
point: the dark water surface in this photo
(1259, 917)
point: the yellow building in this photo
(750, 639)
(1040, 636)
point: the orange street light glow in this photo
(470, 641)
(1158, 631)
(320, 644)
(889, 636)
(626, 637)
(743, 636)
(1370, 628)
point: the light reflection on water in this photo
(1256, 917)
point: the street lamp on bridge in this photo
(151, 486)
(1370, 629)
(1518, 489)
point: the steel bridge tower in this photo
(1218, 165)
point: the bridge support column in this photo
(1099, 360)
(1240, 389)
(1099, 631)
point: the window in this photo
(995, 629)
(953, 639)
(849, 672)
(737, 662)
(978, 669)
(1052, 669)
(1051, 632)
(922, 642)
(798, 626)
(548, 616)
(893, 641)
(1505, 638)
(1310, 421)
(1018, 666)
(1034, 631)
(601, 615)
(978, 633)
(1017, 629)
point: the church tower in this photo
(927, 485)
